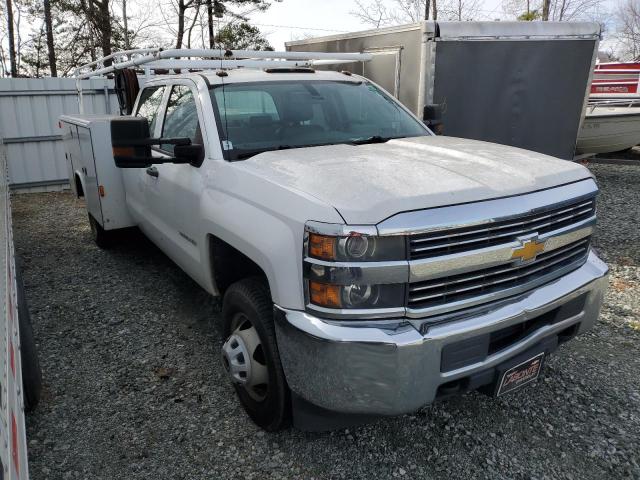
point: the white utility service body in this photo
(398, 270)
(90, 163)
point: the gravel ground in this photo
(134, 387)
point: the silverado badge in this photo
(528, 251)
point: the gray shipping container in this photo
(524, 84)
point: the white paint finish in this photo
(260, 205)
(87, 141)
(369, 183)
(257, 75)
(13, 456)
(529, 30)
(30, 107)
(609, 129)
(264, 221)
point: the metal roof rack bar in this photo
(156, 58)
(226, 64)
(119, 54)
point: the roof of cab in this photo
(238, 75)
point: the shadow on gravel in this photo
(135, 388)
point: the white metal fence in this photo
(29, 132)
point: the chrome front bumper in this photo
(387, 367)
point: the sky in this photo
(296, 19)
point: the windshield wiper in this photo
(367, 140)
(244, 154)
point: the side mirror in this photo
(126, 136)
(432, 116)
(131, 143)
(193, 154)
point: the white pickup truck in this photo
(366, 266)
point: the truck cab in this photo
(366, 266)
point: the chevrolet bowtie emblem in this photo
(528, 251)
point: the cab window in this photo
(149, 105)
(181, 118)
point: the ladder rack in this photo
(151, 59)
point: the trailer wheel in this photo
(250, 354)
(103, 238)
(31, 373)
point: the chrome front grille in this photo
(465, 239)
(501, 278)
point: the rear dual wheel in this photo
(103, 238)
(250, 354)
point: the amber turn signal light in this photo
(321, 246)
(325, 295)
(123, 152)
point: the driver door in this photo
(149, 105)
(173, 190)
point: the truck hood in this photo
(369, 183)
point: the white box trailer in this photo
(524, 84)
(92, 171)
(20, 377)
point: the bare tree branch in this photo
(628, 16)
(381, 13)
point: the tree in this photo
(56, 36)
(50, 45)
(102, 24)
(182, 8)
(125, 24)
(34, 60)
(210, 22)
(529, 16)
(381, 13)
(374, 13)
(188, 11)
(12, 45)
(545, 10)
(628, 16)
(460, 10)
(241, 36)
(555, 10)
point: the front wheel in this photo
(250, 354)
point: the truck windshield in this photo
(264, 116)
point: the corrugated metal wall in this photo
(29, 111)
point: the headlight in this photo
(351, 269)
(356, 296)
(356, 247)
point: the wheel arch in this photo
(79, 184)
(229, 265)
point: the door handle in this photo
(153, 171)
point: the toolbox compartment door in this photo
(91, 195)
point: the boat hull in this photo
(609, 129)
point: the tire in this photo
(31, 373)
(101, 237)
(250, 300)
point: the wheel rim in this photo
(244, 359)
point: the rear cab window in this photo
(181, 118)
(149, 105)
